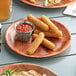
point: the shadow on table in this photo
(50, 60)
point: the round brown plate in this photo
(26, 67)
(20, 47)
(63, 3)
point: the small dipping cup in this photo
(24, 36)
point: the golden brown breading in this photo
(35, 44)
(51, 26)
(48, 44)
(38, 23)
(49, 33)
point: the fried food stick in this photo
(35, 44)
(56, 34)
(48, 34)
(38, 23)
(51, 26)
(48, 44)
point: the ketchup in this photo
(24, 27)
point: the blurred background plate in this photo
(39, 3)
(26, 67)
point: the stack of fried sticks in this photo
(44, 28)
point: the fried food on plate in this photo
(43, 26)
(48, 44)
(48, 34)
(55, 34)
(51, 25)
(35, 44)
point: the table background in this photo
(63, 64)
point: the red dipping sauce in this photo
(24, 27)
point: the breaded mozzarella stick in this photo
(35, 44)
(49, 34)
(38, 23)
(51, 26)
(48, 44)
